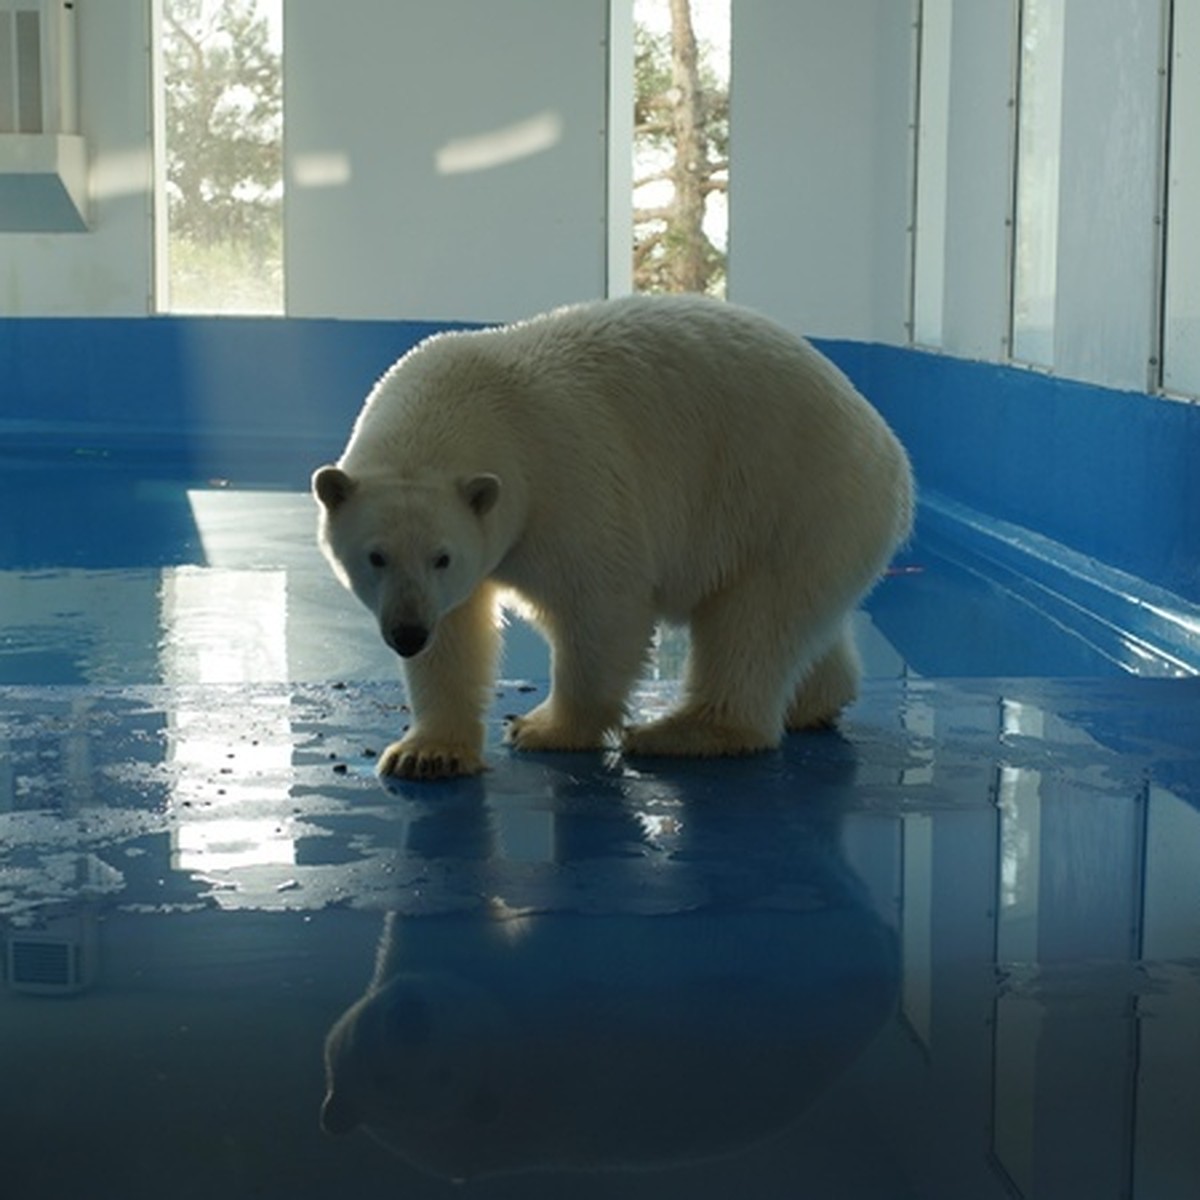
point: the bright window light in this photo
(220, 129)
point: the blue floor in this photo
(952, 950)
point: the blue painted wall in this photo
(215, 379)
(1114, 475)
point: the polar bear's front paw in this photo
(420, 757)
(544, 729)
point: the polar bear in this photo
(612, 465)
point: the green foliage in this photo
(651, 85)
(224, 111)
(670, 248)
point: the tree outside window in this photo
(681, 145)
(223, 110)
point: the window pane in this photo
(1039, 125)
(223, 117)
(8, 74)
(680, 145)
(929, 256)
(1181, 333)
(29, 72)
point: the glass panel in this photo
(680, 145)
(1181, 333)
(222, 72)
(1039, 131)
(8, 102)
(929, 252)
(29, 72)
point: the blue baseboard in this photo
(1145, 629)
(1110, 474)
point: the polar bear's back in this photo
(693, 382)
(731, 432)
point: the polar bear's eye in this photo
(376, 559)
(441, 562)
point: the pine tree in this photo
(681, 129)
(224, 110)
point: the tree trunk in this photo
(689, 266)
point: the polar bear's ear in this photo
(332, 486)
(481, 492)
(338, 1116)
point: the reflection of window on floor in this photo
(920, 725)
(1166, 1149)
(1017, 1032)
(217, 845)
(224, 652)
(916, 923)
(224, 626)
(225, 630)
(1020, 804)
(220, 121)
(1171, 913)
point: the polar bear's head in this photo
(421, 1063)
(410, 551)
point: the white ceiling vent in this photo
(43, 166)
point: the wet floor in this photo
(952, 950)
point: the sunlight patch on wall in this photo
(321, 169)
(499, 147)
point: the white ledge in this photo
(43, 183)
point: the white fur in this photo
(657, 458)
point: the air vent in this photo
(56, 960)
(42, 159)
(44, 964)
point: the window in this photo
(21, 58)
(1039, 127)
(680, 145)
(933, 128)
(1181, 293)
(221, 160)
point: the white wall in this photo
(1108, 192)
(820, 181)
(387, 103)
(105, 271)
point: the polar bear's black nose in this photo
(408, 640)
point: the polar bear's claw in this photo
(409, 759)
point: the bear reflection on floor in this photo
(502, 1041)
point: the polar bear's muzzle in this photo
(407, 640)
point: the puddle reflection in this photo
(508, 1041)
(685, 983)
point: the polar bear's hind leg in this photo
(749, 645)
(828, 688)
